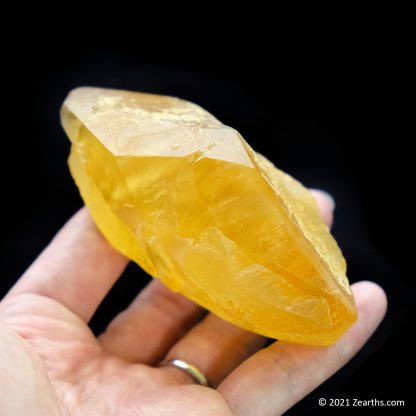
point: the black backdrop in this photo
(331, 121)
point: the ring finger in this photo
(215, 347)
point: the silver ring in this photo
(193, 371)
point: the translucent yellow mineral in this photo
(186, 198)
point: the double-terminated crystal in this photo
(186, 198)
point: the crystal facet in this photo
(186, 198)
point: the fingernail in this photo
(329, 198)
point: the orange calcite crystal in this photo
(186, 198)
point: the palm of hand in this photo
(51, 362)
(82, 378)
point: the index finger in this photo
(77, 268)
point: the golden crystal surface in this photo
(186, 198)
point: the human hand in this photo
(52, 364)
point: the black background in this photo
(331, 116)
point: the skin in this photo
(52, 364)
